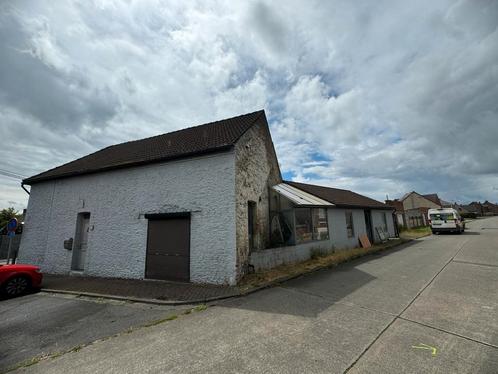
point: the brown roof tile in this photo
(211, 137)
(396, 204)
(433, 197)
(341, 198)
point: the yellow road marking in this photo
(425, 346)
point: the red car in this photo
(17, 279)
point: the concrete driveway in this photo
(429, 307)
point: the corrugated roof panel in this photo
(298, 196)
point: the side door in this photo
(81, 242)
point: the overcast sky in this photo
(380, 97)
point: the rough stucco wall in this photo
(339, 233)
(117, 202)
(415, 201)
(377, 221)
(36, 224)
(256, 169)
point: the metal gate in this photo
(168, 247)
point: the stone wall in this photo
(256, 170)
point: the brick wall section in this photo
(256, 170)
(117, 202)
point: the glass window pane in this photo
(303, 225)
(320, 224)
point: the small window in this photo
(349, 224)
(320, 224)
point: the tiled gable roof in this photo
(211, 137)
(340, 198)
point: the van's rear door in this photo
(443, 220)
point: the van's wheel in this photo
(16, 286)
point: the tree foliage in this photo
(8, 213)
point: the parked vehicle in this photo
(446, 220)
(17, 279)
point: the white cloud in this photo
(379, 97)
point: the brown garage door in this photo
(168, 248)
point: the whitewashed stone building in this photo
(193, 205)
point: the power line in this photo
(11, 174)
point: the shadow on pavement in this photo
(284, 299)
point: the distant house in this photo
(482, 209)
(204, 204)
(475, 207)
(459, 208)
(411, 209)
(490, 208)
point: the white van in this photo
(445, 220)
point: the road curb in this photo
(138, 299)
(249, 291)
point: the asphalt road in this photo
(41, 324)
(430, 307)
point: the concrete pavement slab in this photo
(481, 248)
(36, 325)
(276, 330)
(386, 282)
(462, 299)
(394, 353)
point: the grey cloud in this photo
(60, 100)
(265, 22)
